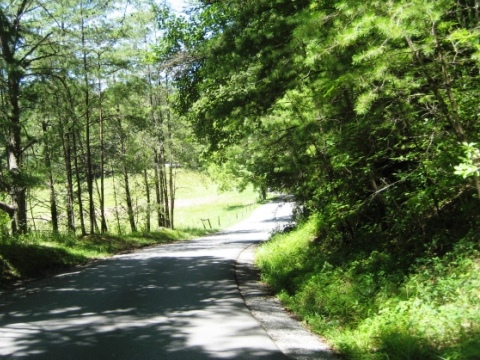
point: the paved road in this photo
(177, 301)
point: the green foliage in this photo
(287, 257)
(239, 63)
(372, 306)
(33, 256)
(469, 165)
(355, 108)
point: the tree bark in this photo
(126, 179)
(159, 190)
(70, 201)
(147, 194)
(9, 39)
(51, 183)
(115, 198)
(79, 187)
(104, 228)
(91, 204)
(171, 185)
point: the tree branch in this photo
(10, 210)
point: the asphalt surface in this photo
(188, 300)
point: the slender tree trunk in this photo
(147, 194)
(162, 170)
(104, 228)
(157, 168)
(126, 180)
(115, 198)
(171, 185)
(79, 187)
(70, 201)
(66, 129)
(51, 183)
(128, 199)
(15, 165)
(159, 190)
(29, 198)
(164, 187)
(91, 204)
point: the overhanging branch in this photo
(9, 209)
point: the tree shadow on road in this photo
(124, 309)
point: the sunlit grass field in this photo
(197, 197)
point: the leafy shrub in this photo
(369, 308)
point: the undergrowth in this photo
(369, 306)
(41, 254)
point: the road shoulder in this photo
(290, 336)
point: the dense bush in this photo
(371, 307)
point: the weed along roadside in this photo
(35, 257)
(41, 254)
(378, 305)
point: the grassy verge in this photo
(370, 308)
(42, 253)
(39, 255)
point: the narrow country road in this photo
(177, 301)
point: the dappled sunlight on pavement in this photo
(177, 301)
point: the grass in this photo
(370, 308)
(218, 212)
(197, 197)
(42, 253)
(38, 255)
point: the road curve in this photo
(177, 301)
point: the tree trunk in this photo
(159, 190)
(79, 187)
(51, 183)
(147, 194)
(14, 69)
(128, 198)
(171, 185)
(166, 203)
(117, 213)
(126, 180)
(70, 201)
(91, 204)
(15, 149)
(15, 164)
(104, 228)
